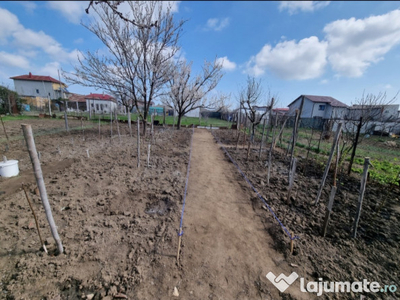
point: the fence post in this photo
(37, 170)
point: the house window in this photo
(105, 105)
(321, 107)
(49, 95)
(97, 107)
(37, 91)
(92, 105)
(101, 106)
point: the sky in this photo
(342, 49)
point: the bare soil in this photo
(373, 254)
(118, 223)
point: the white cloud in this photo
(50, 69)
(8, 24)
(294, 7)
(71, 10)
(388, 86)
(324, 81)
(79, 41)
(290, 60)
(350, 46)
(226, 63)
(29, 6)
(29, 44)
(355, 44)
(13, 60)
(217, 24)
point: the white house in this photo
(38, 90)
(100, 103)
(323, 107)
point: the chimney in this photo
(30, 75)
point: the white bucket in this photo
(9, 168)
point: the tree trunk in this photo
(164, 113)
(144, 121)
(353, 153)
(178, 126)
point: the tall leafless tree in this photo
(250, 97)
(362, 117)
(139, 59)
(188, 92)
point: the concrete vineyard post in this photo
(27, 130)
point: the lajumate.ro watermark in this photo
(282, 282)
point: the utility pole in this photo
(65, 103)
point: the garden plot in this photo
(117, 222)
(373, 255)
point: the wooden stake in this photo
(270, 120)
(291, 178)
(138, 142)
(238, 138)
(116, 119)
(87, 153)
(148, 154)
(27, 130)
(291, 244)
(328, 210)
(280, 133)
(328, 164)
(111, 127)
(262, 139)
(361, 196)
(179, 244)
(34, 215)
(248, 149)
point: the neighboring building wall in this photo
(193, 113)
(35, 88)
(100, 106)
(307, 108)
(339, 112)
(321, 109)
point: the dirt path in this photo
(226, 249)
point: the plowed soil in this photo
(118, 223)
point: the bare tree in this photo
(250, 98)
(140, 58)
(187, 93)
(113, 5)
(362, 117)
